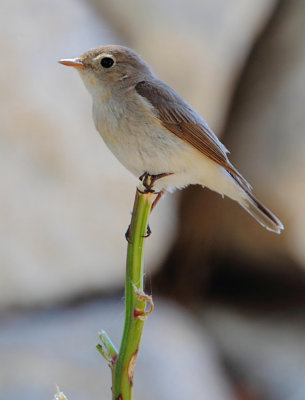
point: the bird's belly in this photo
(142, 145)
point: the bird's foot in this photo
(148, 180)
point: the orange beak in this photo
(74, 62)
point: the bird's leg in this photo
(157, 198)
(149, 180)
(155, 202)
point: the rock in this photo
(65, 200)
(265, 352)
(176, 360)
(265, 134)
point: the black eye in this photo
(107, 62)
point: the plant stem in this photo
(135, 300)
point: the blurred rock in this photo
(65, 200)
(265, 134)
(198, 47)
(265, 352)
(176, 359)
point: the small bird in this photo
(155, 133)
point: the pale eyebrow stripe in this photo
(105, 55)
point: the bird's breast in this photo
(136, 137)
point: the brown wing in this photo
(177, 116)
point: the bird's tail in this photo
(258, 211)
(261, 213)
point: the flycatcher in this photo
(155, 133)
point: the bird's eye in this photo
(107, 62)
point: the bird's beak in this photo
(74, 62)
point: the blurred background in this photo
(229, 317)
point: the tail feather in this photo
(261, 213)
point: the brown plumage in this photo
(177, 116)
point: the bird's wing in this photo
(176, 115)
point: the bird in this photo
(156, 134)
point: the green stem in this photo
(135, 300)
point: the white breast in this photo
(135, 136)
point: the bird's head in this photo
(108, 67)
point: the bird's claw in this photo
(149, 180)
(127, 233)
(148, 232)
